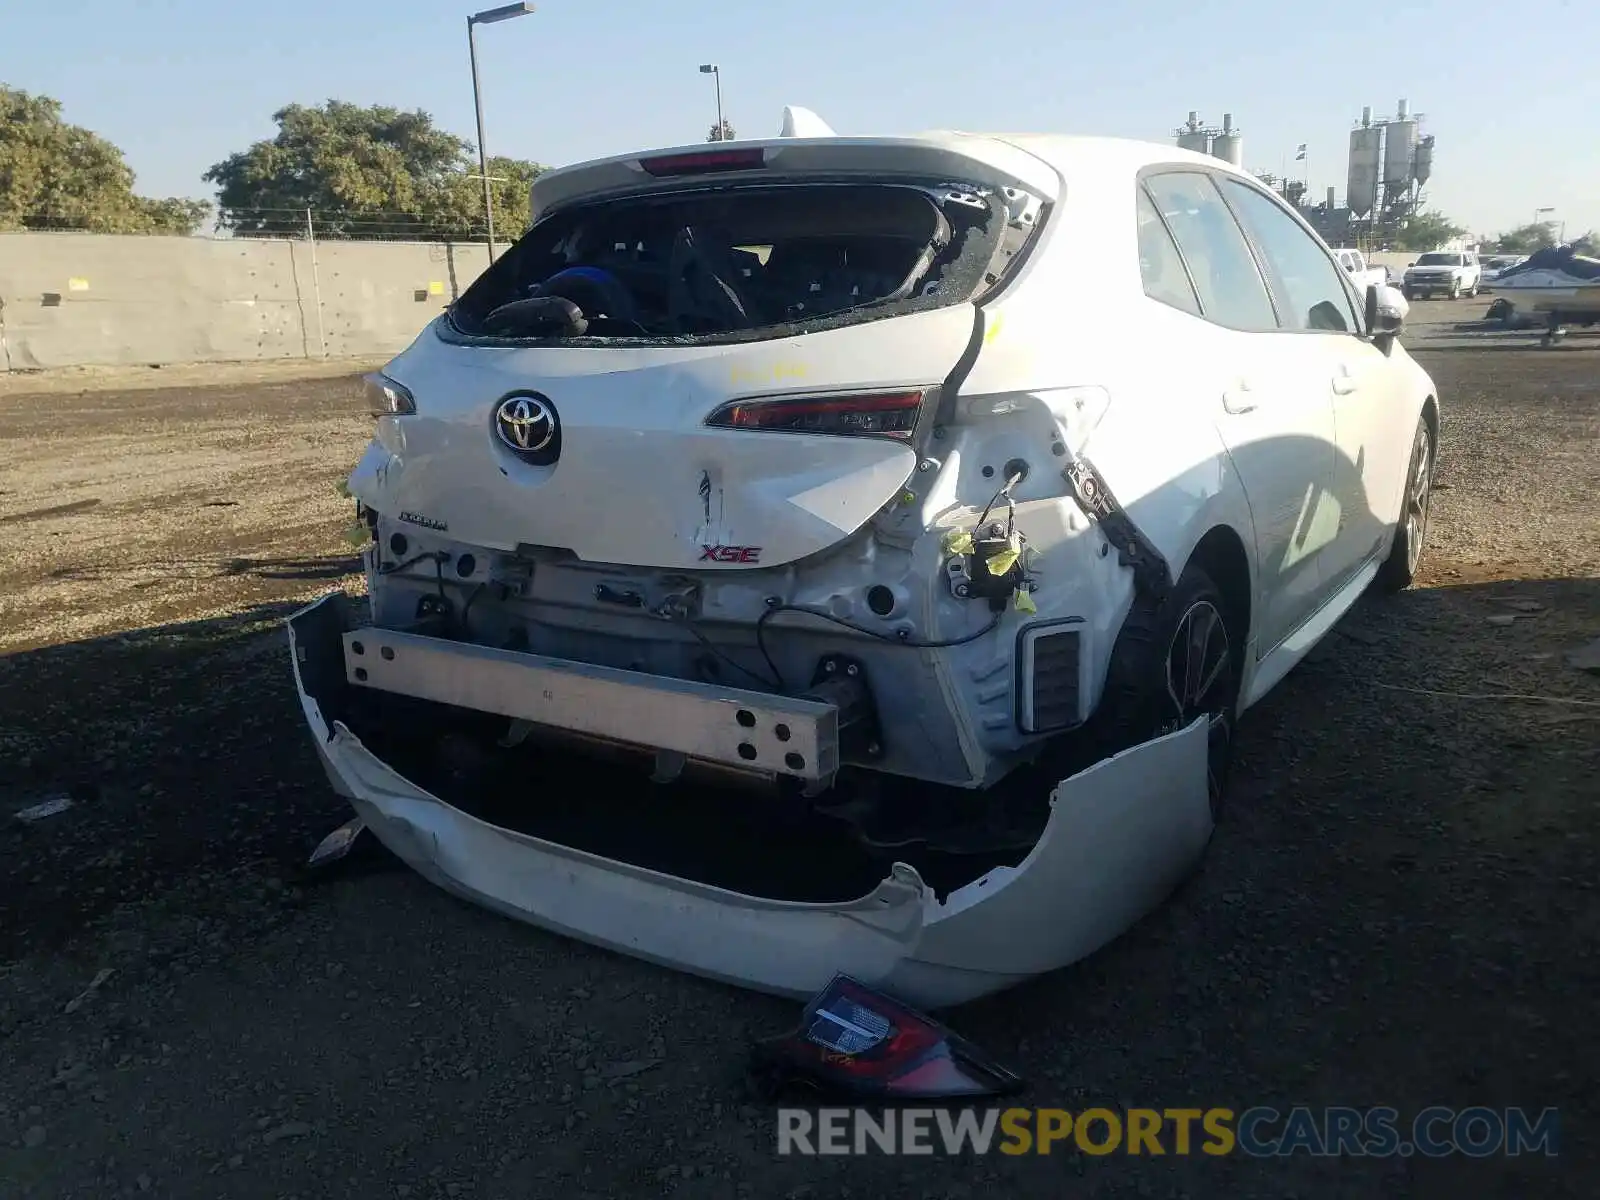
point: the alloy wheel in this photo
(1419, 497)
(1200, 680)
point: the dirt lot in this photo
(1400, 909)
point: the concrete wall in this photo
(83, 299)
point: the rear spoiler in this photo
(801, 150)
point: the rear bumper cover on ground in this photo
(1121, 835)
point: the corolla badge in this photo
(527, 424)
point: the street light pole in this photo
(487, 17)
(715, 72)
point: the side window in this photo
(1224, 271)
(1159, 264)
(1313, 295)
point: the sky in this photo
(1511, 98)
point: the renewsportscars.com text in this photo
(1258, 1132)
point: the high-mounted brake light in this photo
(705, 162)
(852, 1039)
(385, 397)
(886, 414)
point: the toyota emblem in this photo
(527, 425)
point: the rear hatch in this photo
(721, 357)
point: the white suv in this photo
(1451, 273)
(945, 497)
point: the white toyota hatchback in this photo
(852, 554)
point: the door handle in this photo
(1238, 398)
(1344, 383)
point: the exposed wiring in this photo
(775, 682)
(899, 639)
(1004, 493)
(466, 611)
(1395, 687)
(438, 557)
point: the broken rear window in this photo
(735, 264)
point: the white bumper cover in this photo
(1121, 835)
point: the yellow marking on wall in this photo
(993, 329)
(77, 285)
(435, 288)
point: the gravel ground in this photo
(1400, 908)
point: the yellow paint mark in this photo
(993, 329)
(77, 285)
(435, 288)
(758, 376)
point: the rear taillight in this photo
(885, 414)
(705, 162)
(385, 397)
(853, 1039)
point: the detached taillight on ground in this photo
(887, 414)
(852, 1039)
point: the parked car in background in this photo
(943, 500)
(1494, 266)
(1449, 273)
(1355, 265)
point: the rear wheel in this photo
(1174, 662)
(1399, 570)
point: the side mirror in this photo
(1386, 310)
(1411, 264)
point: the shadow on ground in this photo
(1399, 908)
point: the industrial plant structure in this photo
(1390, 162)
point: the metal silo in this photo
(1193, 136)
(1400, 145)
(1366, 151)
(1423, 167)
(1228, 145)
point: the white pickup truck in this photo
(1355, 265)
(1451, 273)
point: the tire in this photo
(1399, 570)
(1149, 690)
(1455, 291)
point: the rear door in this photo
(1369, 412)
(641, 478)
(761, 364)
(1277, 425)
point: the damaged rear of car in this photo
(712, 618)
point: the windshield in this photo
(1439, 260)
(739, 263)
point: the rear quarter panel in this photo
(1078, 317)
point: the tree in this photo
(721, 132)
(1426, 231)
(366, 172)
(1587, 244)
(1525, 239)
(59, 176)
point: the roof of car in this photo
(1065, 151)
